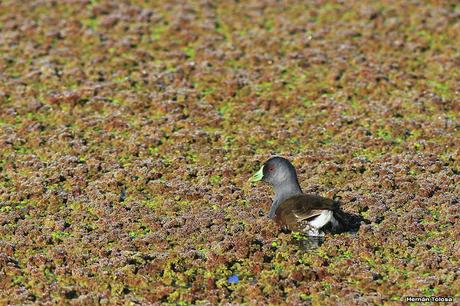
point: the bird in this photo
(294, 210)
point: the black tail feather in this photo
(346, 222)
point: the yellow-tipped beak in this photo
(258, 175)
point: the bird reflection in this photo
(308, 243)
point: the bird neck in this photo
(283, 192)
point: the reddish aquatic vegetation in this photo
(128, 132)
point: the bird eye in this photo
(271, 168)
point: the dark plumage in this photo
(291, 208)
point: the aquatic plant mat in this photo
(128, 130)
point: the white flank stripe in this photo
(322, 219)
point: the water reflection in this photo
(308, 243)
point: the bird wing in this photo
(306, 215)
(296, 211)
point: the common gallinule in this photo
(293, 209)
